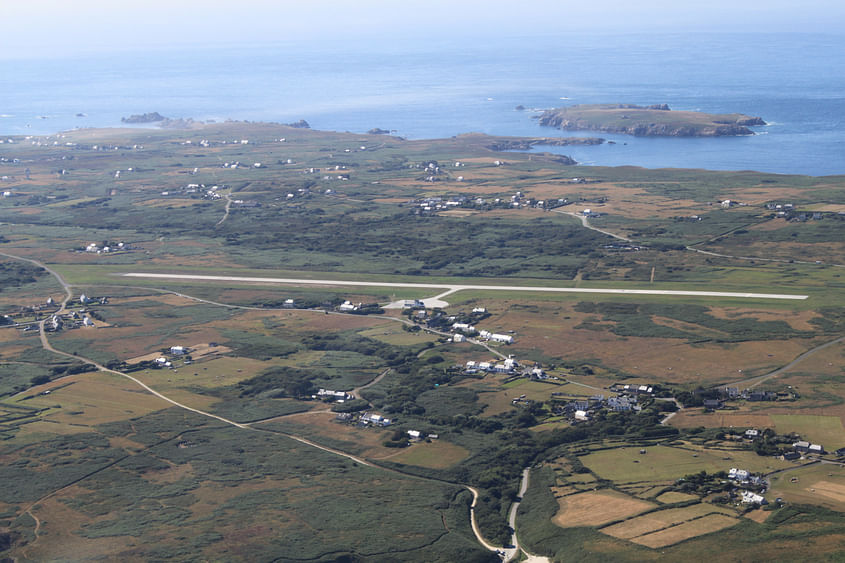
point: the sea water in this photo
(795, 82)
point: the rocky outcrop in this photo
(301, 124)
(648, 121)
(378, 131)
(152, 117)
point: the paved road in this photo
(461, 287)
(585, 222)
(517, 549)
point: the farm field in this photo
(667, 463)
(594, 509)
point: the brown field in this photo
(597, 508)
(798, 320)
(674, 496)
(435, 455)
(687, 530)
(832, 491)
(648, 523)
(458, 213)
(758, 515)
(57, 537)
(691, 418)
(551, 329)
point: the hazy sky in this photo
(38, 27)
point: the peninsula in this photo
(648, 121)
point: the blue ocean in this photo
(795, 82)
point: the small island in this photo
(152, 117)
(648, 121)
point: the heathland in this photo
(250, 419)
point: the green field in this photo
(666, 463)
(824, 430)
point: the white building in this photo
(177, 350)
(752, 498)
(459, 338)
(464, 327)
(503, 338)
(347, 306)
(740, 475)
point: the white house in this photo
(751, 498)
(414, 434)
(740, 475)
(87, 321)
(464, 327)
(504, 338)
(347, 306)
(582, 415)
(177, 350)
(84, 299)
(459, 338)
(479, 310)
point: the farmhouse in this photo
(806, 447)
(375, 419)
(347, 306)
(464, 327)
(339, 396)
(177, 350)
(459, 338)
(752, 433)
(414, 434)
(738, 475)
(503, 338)
(752, 498)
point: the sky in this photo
(69, 27)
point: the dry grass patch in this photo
(595, 508)
(758, 515)
(687, 530)
(435, 455)
(798, 320)
(89, 399)
(692, 418)
(653, 521)
(58, 538)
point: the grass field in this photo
(665, 463)
(819, 484)
(824, 430)
(700, 526)
(435, 455)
